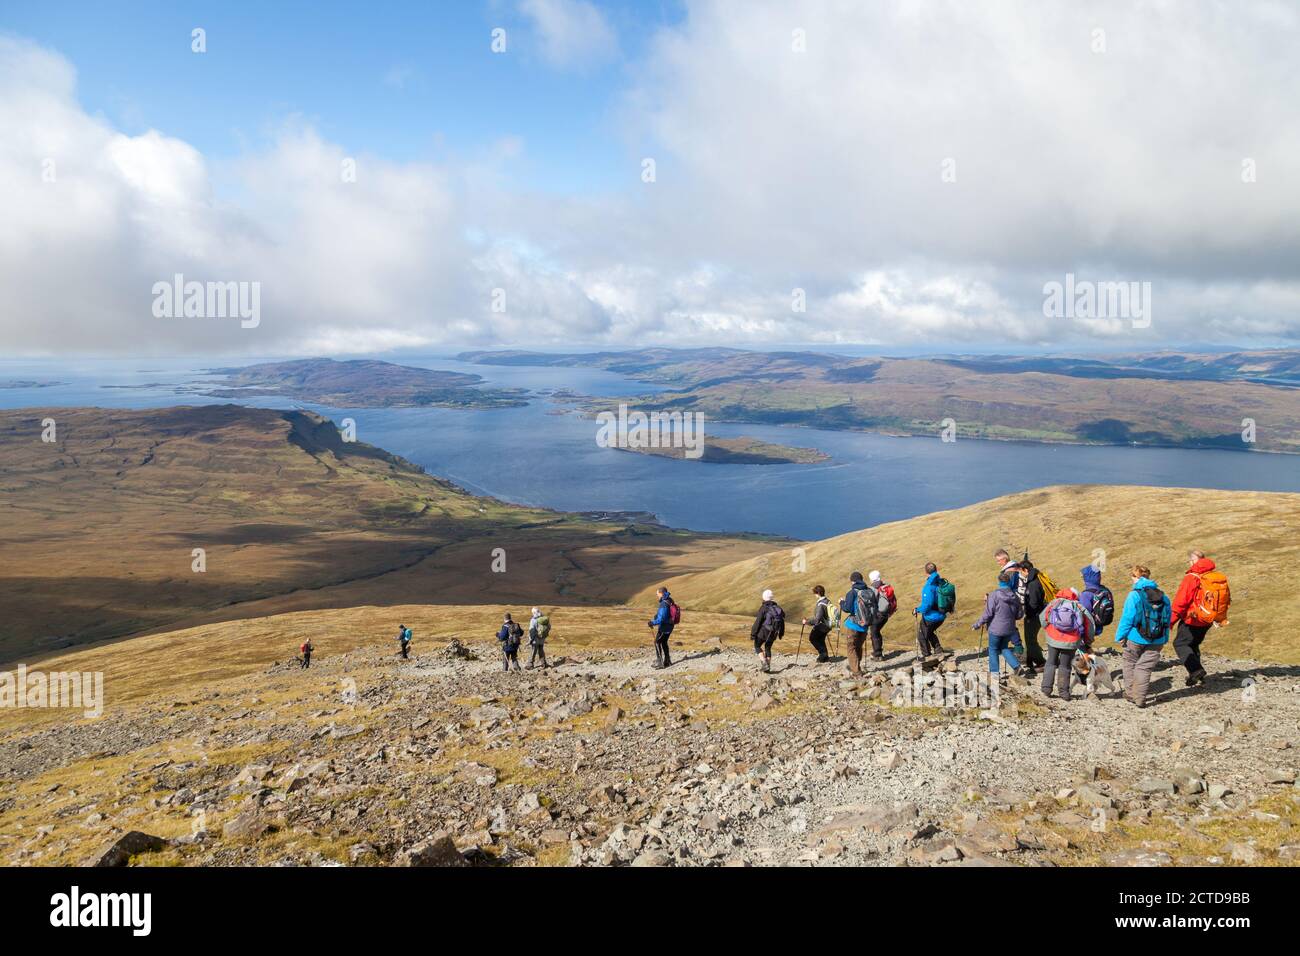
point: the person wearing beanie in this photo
(769, 624)
(887, 604)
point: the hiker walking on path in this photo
(885, 606)
(510, 636)
(403, 640)
(665, 619)
(859, 610)
(1068, 628)
(821, 624)
(1200, 603)
(1035, 601)
(1098, 600)
(305, 650)
(932, 611)
(539, 629)
(1001, 611)
(769, 624)
(1142, 632)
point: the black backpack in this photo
(773, 621)
(1151, 620)
(866, 607)
(1103, 605)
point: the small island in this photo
(741, 450)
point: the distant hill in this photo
(98, 529)
(362, 383)
(1180, 400)
(1253, 536)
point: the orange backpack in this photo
(1210, 602)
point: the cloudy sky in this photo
(647, 173)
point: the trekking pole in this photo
(799, 646)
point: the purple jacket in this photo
(1001, 611)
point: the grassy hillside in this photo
(1254, 537)
(98, 529)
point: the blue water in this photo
(533, 456)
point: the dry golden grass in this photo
(1253, 536)
(180, 665)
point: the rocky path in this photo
(603, 761)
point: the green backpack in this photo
(946, 596)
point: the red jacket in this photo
(1187, 590)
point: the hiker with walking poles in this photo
(1200, 603)
(769, 625)
(821, 625)
(667, 616)
(886, 605)
(1001, 611)
(1143, 631)
(938, 600)
(860, 607)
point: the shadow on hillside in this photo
(1169, 686)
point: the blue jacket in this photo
(1127, 630)
(929, 606)
(662, 620)
(1091, 581)
(849, 603)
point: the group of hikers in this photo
(1070, 621)
(1025, 604)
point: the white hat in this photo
(875, 577)
(535, 611)
(767, 595)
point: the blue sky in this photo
(405, 80)
(885, 174)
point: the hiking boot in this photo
(528, 667)
(657, 666)
(822, 659)
(877, 657)
(1196, 678)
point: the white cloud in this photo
(776, 169)
(572, 34)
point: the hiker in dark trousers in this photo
(306, 649)
(1069, 627)
(510, 636)
(1191, 632)
(854, 633)
(662, 623)
(1001, 611)
(1143, 631)
(404, 640)
(769, 624)
(929, 615)
(887, 606)
(539, 629)
(1035, 602)
(821, 624)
